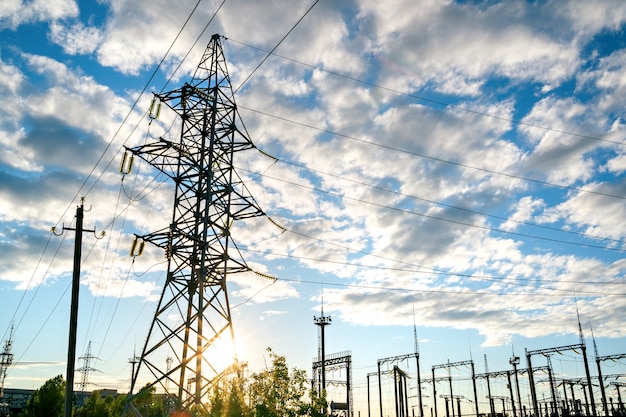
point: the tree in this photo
(94, 406)
(147, 403)
(48, 400)
(227, 395)
(277, 392)
(236, 403)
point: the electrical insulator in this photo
(142, 244)
(136, 248)
(151, 106)
(133, 246)
(126, 165)
(155, 109)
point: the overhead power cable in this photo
(507, 219)
(406, 211)
(432, 158)
(429, 100)
(274, 48)
(462, 291)
(419, 269)
(130, 112)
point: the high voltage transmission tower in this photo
(86, 369)
(6, 360)
(192, 320)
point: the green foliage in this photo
(277, 392)
(147, 403)
(48, 400)
(236, 403)
(94, 406)
(274, 392)
(97, 406)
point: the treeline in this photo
(274, 392)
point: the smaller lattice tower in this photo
(86, 369)
(6, 359)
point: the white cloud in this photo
(403, 213)
(524, 211)
(76, 38)
(14, 13)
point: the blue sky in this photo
(462, 160)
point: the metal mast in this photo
(193, 319)
(322, 321)
(6, 360)
(86, 368)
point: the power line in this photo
(274, 48)
(522, 282)
(376, 187)
(429, 216)
(102, 155)
(432, 158)
(432, 291)
(429, 100)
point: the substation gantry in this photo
(447, 366)
(200, 254)
(335, 361)
(400, 384)
(547, 352)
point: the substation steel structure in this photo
(449, 365)
(332, 362)
(200, 254)
(517, 407)
(620, 403)
(400, 384)
(487, 376)
(547, 352)
(599, 360)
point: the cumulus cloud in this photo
(14, 13)
(417, 149)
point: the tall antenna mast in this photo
(580, 329)
(193, 319)
(322, 321)
(415, 340)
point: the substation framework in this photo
(400, 385)
(561, 399)
(332, 362)
(448, 365)
(200, 254)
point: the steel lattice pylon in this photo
(208, 198)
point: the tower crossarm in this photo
(612, 358)
(535, 369)
(453, 364)
(493, 374)
(398, 358)
(557, 349)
